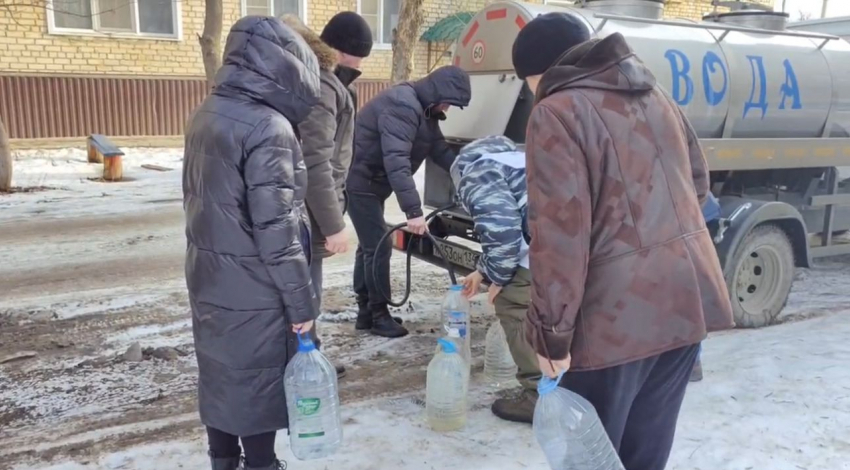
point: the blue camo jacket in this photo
(496, 196)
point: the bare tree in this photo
(804, 15)
(5, 161)
(211, 38)
(410, 20)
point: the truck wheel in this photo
(761, 279)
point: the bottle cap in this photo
(456, 288)
(305, 345)
(447, 346)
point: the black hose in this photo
(396, 228)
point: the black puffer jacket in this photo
(244, 184)
(395, 132)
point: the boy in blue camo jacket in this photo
(489, 175)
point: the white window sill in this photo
(382, 47)
(112, 35)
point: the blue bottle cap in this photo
(456, 287)
(447, 346)
(548, 384)
(305, 345)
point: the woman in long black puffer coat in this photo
(247, 258)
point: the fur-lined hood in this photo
(325, 53)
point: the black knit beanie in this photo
(545, 39)
(348, 32)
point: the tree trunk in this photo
(5, 161)
(410, 20)
(211, 39)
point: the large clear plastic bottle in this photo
(499, 366)
(456, 316)
(462, 346)
(569, 431)
(312, 398)
(446, 388)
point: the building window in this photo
(382, 16)
(157, 18)
(275, 8)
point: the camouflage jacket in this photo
(494, 193)
(623, 265)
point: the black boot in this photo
(276, 465)
(364, 318)
(383, 324)
(228, 463)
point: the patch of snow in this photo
(73, 189)
(776, 398)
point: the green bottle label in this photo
(308, 406)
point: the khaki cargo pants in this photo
(511, 309)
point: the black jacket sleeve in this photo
(272, 156)
(442, 154)
(397, 126)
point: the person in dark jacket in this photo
(626, 281)
(327, 133)
(393, 135)
(248, 240)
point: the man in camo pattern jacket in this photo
(489, 175)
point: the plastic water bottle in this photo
(446, 387)
(312, 398)
(499, 366)
(569, 431)
(461, 346)
(456, 315)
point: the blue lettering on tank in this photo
(683, 84)
(710, 65)
(760, 79)
(790, 89)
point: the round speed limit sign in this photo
(478, 52)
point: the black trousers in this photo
(259, 449)
(367, 215)
(638, 403)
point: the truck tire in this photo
(760, 281)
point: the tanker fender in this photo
(739, 216)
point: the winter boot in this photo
(383, 324)
(277, 465)
(364, 318)
(516, 410)
(696, 372)
(228, 463)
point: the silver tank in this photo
(732, 80)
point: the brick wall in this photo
(26, 46)
(694, 9)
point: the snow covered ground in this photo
(91, 268)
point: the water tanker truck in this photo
(771, 105)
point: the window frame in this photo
(95, 31)
(379, 45)
(243, 9)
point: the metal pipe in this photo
(823, 10)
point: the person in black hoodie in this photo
(248, 239)
(393, 134)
